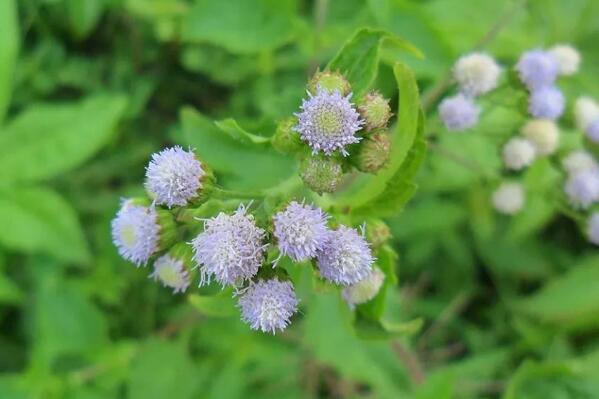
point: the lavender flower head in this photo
(592, 131)
(546, 102)
(171, 272)
(537, 68)
(267, 305)
(582, 188)
(136, 232)
(328, 122)
(364, 290)
(301, 230)
(230, 248)
(346, 258)
(593, 228)
(458, 112)
(174, 176)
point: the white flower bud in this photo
(578, 161)
(543, 134)
(476, 73)
(568, 58)
(518, 153)
(586, 110)
(508, 198)
(364, 290)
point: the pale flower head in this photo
(509, 198)
(476, 73)
(568, 58)
(543, 134)
(518, 153)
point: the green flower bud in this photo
(321, 174)
(373, 153)
(377, 232)
(329, 81)
(375, 110)
(286, 140)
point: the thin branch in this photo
(410, 361)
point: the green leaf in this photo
(219, 305)
(9, 48)
(388, 192)
(386, 261)
(251, 166)
(10, 293)
(236, 132)
(47, 140)
(240, 26)
(162, 370)
(40, 220)
(570, 301)
(83, 16)
(380, 329)
(359, 58)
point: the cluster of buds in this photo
(235, 249)
(332, 134)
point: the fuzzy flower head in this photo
(136, 232)
(267, 305)
(321, 174)
(458, 113)
(174, 176)
(301, 230)
(346, 258)
(518, 153)
(328, 122)
(171, 272)
(543, 134)
(476, 73)
(582, 188)
(363, 291)
(568, 58)
(578, 161)
(537, 68)
(230, 248)
(586, 110)
(592, 131)
(593, 228)
(547, 102)
(509, 198)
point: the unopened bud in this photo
(330, 81)
(321, 174)
(373, 153)
(377, 233)
(375, 110)
(286, 140)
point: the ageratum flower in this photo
(136, 232)
(230, 248)
(346, 258)
(363, 291)
(546, 102)
(582, 188)
(476, 73)
(579, 160)
(518, 153)
(328, 122)
(568, 58)
(537, 68)
(593, 228)
(301, 230)
(543, 134)
(592, 131)
(458, 113)
(268, 305)
(586, 110)
(174, 176)
(171, 272)
(509, 198)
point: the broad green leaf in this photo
(236, 132)
(359, 58)
(49, 139)
(9, 48)
(218, 305)
(83, 15)
(41, 221)
(9, 292)
(162, 370)
(240, 26)
(570, 301)
(242, 166)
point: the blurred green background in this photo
(90, 88)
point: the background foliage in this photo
(89, 89)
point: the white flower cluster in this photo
(586, 112)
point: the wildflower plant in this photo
(253, 244)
